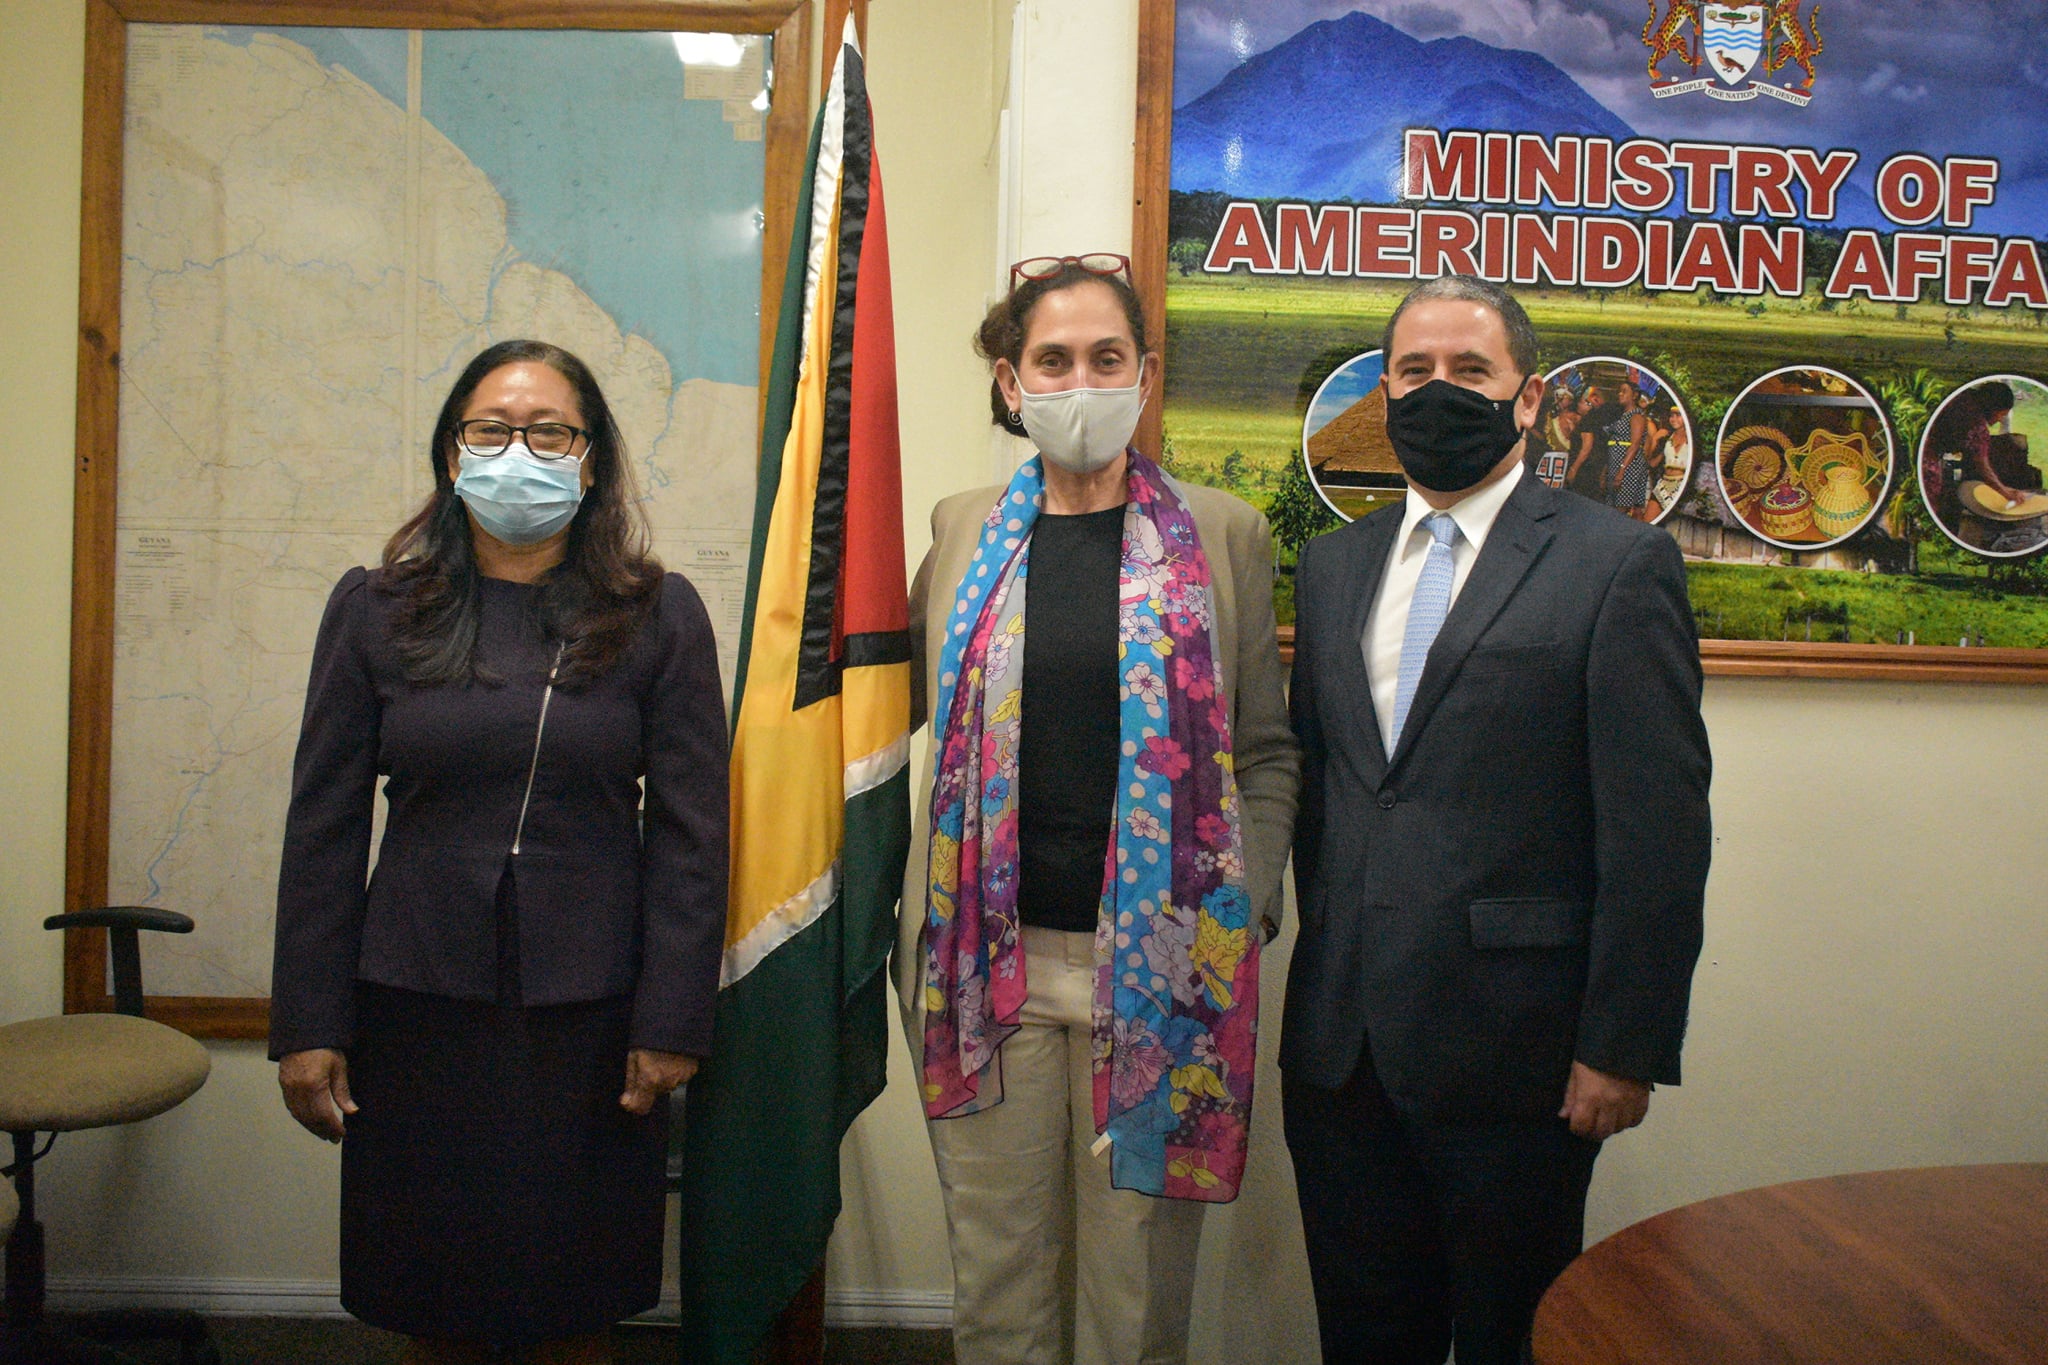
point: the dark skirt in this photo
(492, 1189)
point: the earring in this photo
(1014, 419)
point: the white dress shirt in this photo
(1387, 621)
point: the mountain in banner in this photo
(1320, 116)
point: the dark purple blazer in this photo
(612, 900)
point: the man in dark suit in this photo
(1501, 855)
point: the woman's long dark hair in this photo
(593, 602)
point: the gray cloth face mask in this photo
(1082, 430)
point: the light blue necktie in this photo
(1426, 612)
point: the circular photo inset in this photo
(1351, 463)
(1804, 458)
(1981, 464)
(1613, 431)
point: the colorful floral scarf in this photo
(1177, 961)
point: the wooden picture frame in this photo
(1722, 658)
(94, 561)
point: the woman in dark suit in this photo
(489, 1024)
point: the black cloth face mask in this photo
(1449, 437)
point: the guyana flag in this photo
(820, 781)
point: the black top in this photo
(617, 895)
(1067, 760)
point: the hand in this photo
(315, 1085)
(1599, 1105)
(651, 1074)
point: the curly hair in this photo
(1001, 334)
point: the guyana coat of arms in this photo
(1722, 45)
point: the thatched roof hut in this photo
(1355, 441)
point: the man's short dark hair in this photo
(1471, 289)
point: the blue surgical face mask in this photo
(517, 497)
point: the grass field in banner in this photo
(1244, 356)
(1753, 602)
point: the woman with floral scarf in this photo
(1100, 846)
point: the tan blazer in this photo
(1240, 549)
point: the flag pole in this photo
(798, 1337)
(835, 24)
(823, 698)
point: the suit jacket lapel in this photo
(1362, 576)
(1518, 539)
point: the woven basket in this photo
(1843, 504)
(1759, 456)
(1786, 511)
(1825, 451)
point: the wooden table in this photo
(1921, 1267)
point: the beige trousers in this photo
(1049, 1263)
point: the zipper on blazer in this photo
(539, 729)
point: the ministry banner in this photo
(1787, 269)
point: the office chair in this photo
(75, 1071)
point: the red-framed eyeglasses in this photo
(1095, 263)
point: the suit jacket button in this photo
(1387, 800)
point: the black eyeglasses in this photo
(1095, 263)
(547, 440)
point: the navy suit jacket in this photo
(1520, 882)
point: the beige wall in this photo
(1876, 967)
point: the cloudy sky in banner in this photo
(1944, 77)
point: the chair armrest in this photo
(123, 917)
(123, 943)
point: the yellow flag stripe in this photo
(789, 815)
